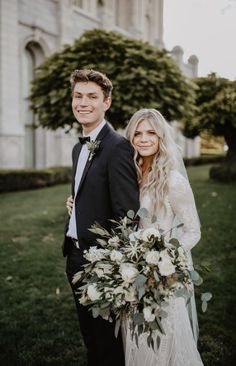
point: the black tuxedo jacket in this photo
(108, 187)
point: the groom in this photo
(104, 187)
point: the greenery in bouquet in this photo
(132, 274)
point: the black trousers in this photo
(103, 348)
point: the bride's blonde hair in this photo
(164, 160)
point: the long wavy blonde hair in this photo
(163, 162)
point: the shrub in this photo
(17, 180)
(226, 172)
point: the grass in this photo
(38, 321)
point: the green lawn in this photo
(38, 322)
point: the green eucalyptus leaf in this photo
(206, 296)
(131, 214)
(138, 318)
(174, 241)
(194, 275)
(198, 282)
(204, 306)
(141, 292)
(143, 213)
(154, 219)
(158, 341)
(140, 280)
(153, 325)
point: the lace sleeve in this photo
(183, 205)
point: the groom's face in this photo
(89, 104)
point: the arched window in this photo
(32, 57)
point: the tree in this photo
(216, 102)
(142, 76)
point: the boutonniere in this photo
(92, 146)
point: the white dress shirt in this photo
(83, 157)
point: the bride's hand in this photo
(69, 205)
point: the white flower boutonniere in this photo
(92, 146)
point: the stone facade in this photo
(32, 30)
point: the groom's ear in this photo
(107, 103)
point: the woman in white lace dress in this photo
(166, 193)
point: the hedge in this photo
(17, 180)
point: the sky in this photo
(205, 28)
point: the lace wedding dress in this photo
(178, 346)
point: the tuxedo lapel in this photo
(75, 162)
(104, 131)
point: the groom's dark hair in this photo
(92, 75)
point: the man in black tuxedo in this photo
(104, 187)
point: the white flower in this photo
(116, 256)
(135, 235)
(99, 272)
(148, 315)
(128, 272)
(119, 290)
(94, 254)
(165, 265)
(114, 241)
(152, 257)
(93, 293)
(130, 294)
(147, 233)
(107, 268)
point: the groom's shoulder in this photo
(115, 142)
(115, 138)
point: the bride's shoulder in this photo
(177, 181)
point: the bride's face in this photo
(145, 140)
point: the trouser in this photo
(103, 348)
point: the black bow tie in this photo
(83, 140)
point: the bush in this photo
(17, 180)
(226, 172)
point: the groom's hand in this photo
(69, 205)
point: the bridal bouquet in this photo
(132, 275)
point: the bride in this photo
(166, 193)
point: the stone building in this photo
(30, 31)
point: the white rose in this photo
(147, 233)
(116, 256)
(93, 293)
(130, 295)
(94, 254)
(148, 315)
(152, 257)
(128, 272)
(164, 254)
(165, 265)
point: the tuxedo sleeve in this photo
(123, 184)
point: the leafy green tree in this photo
(142, 76)
(216, 102)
